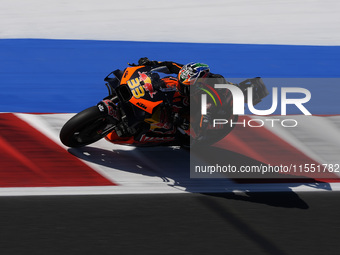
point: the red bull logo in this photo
(146, 82)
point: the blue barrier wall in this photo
(44, 75)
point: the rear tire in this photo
(84, 128)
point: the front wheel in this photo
(85, 128)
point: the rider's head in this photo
(189, 74)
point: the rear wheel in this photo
(85, 128)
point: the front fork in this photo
(111, 107)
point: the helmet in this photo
(189, 74)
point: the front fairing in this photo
(143, 94)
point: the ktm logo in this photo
(126, 73)
(141, 105)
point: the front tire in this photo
(84, 128)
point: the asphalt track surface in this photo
(231, 223)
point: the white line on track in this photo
(153, 189)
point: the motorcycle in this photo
(133, 109)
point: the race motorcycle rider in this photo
(194, 77)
